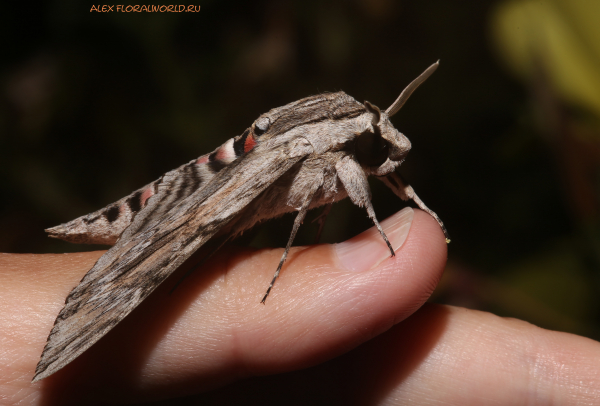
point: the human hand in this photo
(213, 331)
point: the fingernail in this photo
(367, 250)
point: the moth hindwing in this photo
(308, 153)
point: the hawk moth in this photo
(309, 153)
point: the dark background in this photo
(94, 105)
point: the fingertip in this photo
(426, 250)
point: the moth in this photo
(309, 153)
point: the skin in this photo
(325, 336)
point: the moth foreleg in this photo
(371, 213)
(299, 219)
(404, 191)
(321, 221)
(355, 182)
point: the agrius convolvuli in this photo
(308, 153)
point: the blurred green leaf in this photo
(559, 38)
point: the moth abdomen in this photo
(239, 143)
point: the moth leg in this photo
(355, 182)
(371, 213)
(404, 191)
(321, 221)
(299, 219)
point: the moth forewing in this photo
(306, 154)
(136, 265)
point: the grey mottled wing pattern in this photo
(154, 248)
(104, 226)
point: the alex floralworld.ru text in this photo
(150, 8)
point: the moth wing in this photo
(148, 252)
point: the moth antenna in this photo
(397, 105)
(299, 218)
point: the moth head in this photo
(380, 141)
(380, 146)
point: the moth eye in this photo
(262, 125)
(371, 149)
